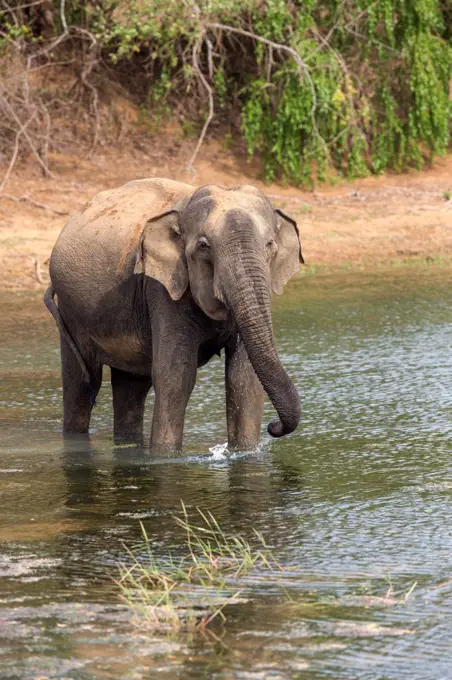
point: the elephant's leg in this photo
(174, 367)
(129, 398)
(78, 396)
(244, 399)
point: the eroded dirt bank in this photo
(366, 222)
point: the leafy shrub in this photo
(319, 86)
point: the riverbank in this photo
(393, 219)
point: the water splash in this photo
(218, 451)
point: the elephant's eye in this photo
(203, 244)
(271, 249)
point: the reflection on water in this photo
(357, 502)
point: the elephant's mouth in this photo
(218, 311)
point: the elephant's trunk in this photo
(246, 291)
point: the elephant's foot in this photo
(244, 444)
(124, 437)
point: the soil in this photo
(393, 218)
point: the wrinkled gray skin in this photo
(156, 277)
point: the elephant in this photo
(156, 277)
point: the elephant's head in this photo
(232, 249)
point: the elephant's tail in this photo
(55, 312)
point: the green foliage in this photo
(372, 92)
(12, 32)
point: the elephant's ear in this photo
(288, 257)
(161, 253)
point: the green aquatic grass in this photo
(217, 569)
(191, 591)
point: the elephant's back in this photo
(97, 248)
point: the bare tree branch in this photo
(19, 199)
(13, 10)
(16, 118)
(30, 97)
(15, 152)
(209, 58)
(196, 49)
(95, 102)
(63, 15)
(38, 273)
(45, 147)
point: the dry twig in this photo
(94, 48)
(23, 131)
(63, 15)
(196, 49)
(13, 10)
(46, 52)
(38, 273)
(15, 153)
(25, 197)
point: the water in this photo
(356, 505)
